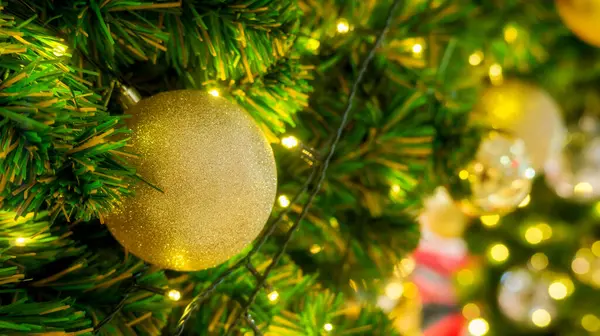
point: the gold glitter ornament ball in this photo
(582, 17)
(218, 177)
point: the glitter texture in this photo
(218, 175)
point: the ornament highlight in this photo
(582, 17)
(523, 297)
(586, 266)
(529, 113)
(442, 216)
(500, 176)
(218, 179)
(575, 173)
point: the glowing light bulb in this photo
(328, 327)
(273, 296)
(533, 235)
(289, 141)
(476, 58)
(510, 34)
(490, 220)
(498, 253)
(214, 92)
(174, 295)
(342, 26)
(417, 48)
(530, 173)
(463, 175)
(580, 265)
(590, 323)
(596, 248)
(478, 327)
(313, 44)
(525, 201)
(495, 74)
(539, 261)
(541, 318)
(21, 241)
(284, 201)
(471, 311)
(314, 249)
(557, 290)
(394, 290)
(583, 188)
(465, 277)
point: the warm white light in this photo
(59, 50)
(394, 290)
(21, 241)
(417, 48)
(289, 141)
(541, 318)
(533, 235)
(557, 290)
(174, 295)
(529, 173)
(580, 265)
(583, 188)
(590, 323)
(314, 249)
(476, 58)
(273, 296)
(498, 252)
(342, 26)
(496, 74)
(478, 327)
(471, 311)
(539, 261)
(525, 201)
(328, 327)
(463, 174)
(490, 220)
(284, 201)
(214, 92)
(510, 34)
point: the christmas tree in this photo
(122, 216)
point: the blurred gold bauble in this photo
(529, 113)
(582, 17)
(442, 216)
(218, 177)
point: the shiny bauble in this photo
(582, 17)
(442, 216)
(529, 113)
(523, 297)
(217, 177)
(575, 173)
(500, 176)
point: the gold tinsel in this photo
(217, 174)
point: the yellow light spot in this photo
(525, 201)
(583, 189)
(596, 248)
(410, 290)
(314, 249)
(498, 253)
(214, 92)
(478, 327)
(463, 175)
(21, 241)
(407, 266)
(174, 295)
(394, 290)
(590, 323)
(328, 327)
(496, 74)
(597, 209)
(284, 201)
(353, 285)
(334, 222)
(539, 261)
(59, 50)
(510, 34)
(533, 235)
(289, 141)
(417, 48)
(476, 58)
(313, 44)
(342, 26)
(273, 296)
(541, 318)
(471, 311)
(546, 230)
(394, 189)
(557, 290)
(580, 265)
(465, 277)
(490, 220)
